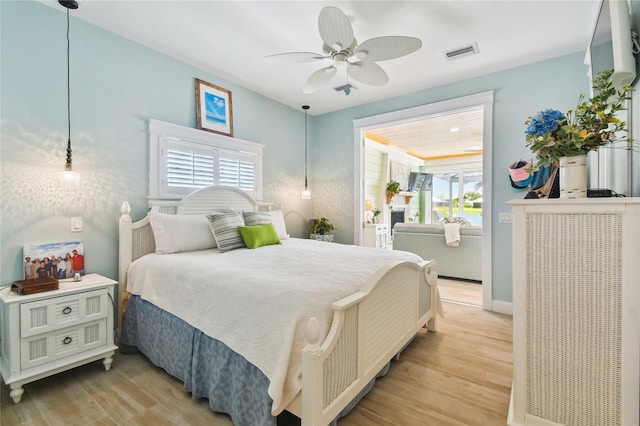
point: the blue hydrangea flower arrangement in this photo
(551, 134)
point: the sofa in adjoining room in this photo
(428, 241)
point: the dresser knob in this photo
(66, 310)
(67, 340)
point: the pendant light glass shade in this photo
(69, 178)
(306, 194)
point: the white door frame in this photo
(360, 125)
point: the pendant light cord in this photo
(68, 99)
(305, 148)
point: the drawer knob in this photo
(67, 340)
(66, 310)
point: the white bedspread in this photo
(258, 301)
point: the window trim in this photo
(162, 133)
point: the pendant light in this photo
(306, 194)
(69, 178)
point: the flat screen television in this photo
(611, 45)
(419, 181)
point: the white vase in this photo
(573, 176)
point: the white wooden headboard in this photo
(136, 238)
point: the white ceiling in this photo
(230, 38)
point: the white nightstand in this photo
(45, 333)
(375, 235)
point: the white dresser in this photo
(576, 304)
(45, 333)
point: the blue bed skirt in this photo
(208, 368)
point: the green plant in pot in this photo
(393, 188)
(551, 134)
(376, 215)
(320, 226)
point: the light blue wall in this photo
(519, 93)
(117, 86)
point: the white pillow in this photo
(225, 230)
(176, 233)
(274, 217)
(278, 223)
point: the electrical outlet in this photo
(504, 217)
(76, 224)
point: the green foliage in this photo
(320, 226)
(591, 125)
(472, 195)
(393, 187)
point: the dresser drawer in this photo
(62, 343)
(45, 316)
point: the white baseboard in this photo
(502, 307)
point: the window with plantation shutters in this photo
(184, 159)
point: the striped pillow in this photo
(225, 230)
(257, 218)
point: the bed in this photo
(287, 326)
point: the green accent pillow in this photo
(259, 235)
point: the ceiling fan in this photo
(342, 48)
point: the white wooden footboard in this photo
(367, 330)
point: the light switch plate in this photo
(76, 224)
(504, 217)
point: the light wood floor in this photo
(460, 375)
(469, 292)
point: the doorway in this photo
(402, 119)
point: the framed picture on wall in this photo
(55, 260)
(214, 108)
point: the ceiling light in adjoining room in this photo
(454, 129)
(306, 194)
(68, 177)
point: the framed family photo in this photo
(54, 260)
(214, 108)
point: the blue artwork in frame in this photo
(214, 108)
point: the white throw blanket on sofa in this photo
(452, 234)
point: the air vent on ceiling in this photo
(472, 49)
(346, 88)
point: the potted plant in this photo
(376, 215)
(320, 229)
(556, 137)
(393, 188)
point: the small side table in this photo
(46, 333)
(375, 235)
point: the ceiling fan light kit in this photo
(341, 47)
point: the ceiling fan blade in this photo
(388, 47)
(294, 57)
(335, 28)
(319, 79)
(367, 72)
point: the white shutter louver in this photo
(183, 160)
(237, 173)
(189, 169)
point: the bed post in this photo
(125, 251)
(431, 276)
(312, 373)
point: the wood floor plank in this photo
(458, 376)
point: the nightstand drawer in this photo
(44, 316)
(41, 349)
